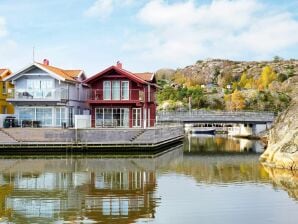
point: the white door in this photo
(136, 117)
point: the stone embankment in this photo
(93, 137)
(282, 150)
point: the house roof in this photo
(147, 76)
(58, 73)
(70, 75)
(144, 78)
(4, 72)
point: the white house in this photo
(47, 96)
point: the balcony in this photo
(130, 96)
(37, 94)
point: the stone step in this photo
(4, 137)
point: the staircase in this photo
(137, 135)
(5, 138)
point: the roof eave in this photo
(121, 71)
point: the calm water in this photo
(207, 180)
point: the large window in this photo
(107, 90)
(116, 90)
(124, 90)
(60, 116)
(26, 113)
(112, 117)
(40, 88)
(45, 116)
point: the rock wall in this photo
(282, 150)
(206, 70)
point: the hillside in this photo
(227, 85)
(224, 71)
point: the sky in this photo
(145, 35)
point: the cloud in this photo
(104, 8)
(183, 32)
(100, 9)
(3, 30)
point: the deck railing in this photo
(130, 95)
(204, 115)
(31, 94)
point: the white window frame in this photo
(122, 90)
(137, 122)
(116, 90)
(35, 114)
(104, 89)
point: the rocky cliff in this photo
(282, 150)
(218, 70)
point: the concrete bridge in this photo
(216, 117)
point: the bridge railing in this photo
(216, 116)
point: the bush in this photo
(282, 77)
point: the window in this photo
(116, 90)
(26, 113)
(4, 89)
(40, 88)
(124, 119)
(136, 117)
(60, 116)
(107, 90)
(44, 115)
(112, 117)
(125, 90)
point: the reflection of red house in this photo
(120, 98)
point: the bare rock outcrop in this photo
(282, 150)
(207, 71)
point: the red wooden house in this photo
(120, 98)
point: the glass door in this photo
(136, 117)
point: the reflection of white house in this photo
(47, 95)
(241, 130)
(34, 207)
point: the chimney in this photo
(119, 64)
(46, 62)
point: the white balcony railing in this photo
(39, 94)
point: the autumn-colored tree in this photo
(243, 80)
(238, 100)
(250, 83)
(267, 76)
(179, 78)
(234, 101)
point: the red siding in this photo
(96, 98)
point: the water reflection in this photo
(85, 190)
(221, 169)
(284, 179)
(221, 144)
(212, 181)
